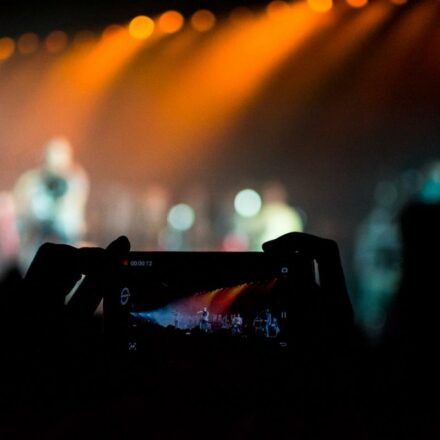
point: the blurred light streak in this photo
(139, 95)
(70, 88)
(342, 42)
(167, 97)
(92, 70)
(223, 75)
(399, 46)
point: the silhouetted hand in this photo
(54, 353)
(334, 301)
(326, 330)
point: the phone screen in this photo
(229, 299)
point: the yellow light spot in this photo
(276, 9)
(7, 47)
(56, 41)
(399, 2)
(357, 3)
(28, 43)
(320, 5)
(141, 27)
(202, 20)
(170, 22)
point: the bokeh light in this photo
(276, 9)
(320, 5)
(279, 220)
(141, 27)
(28, 43)
(7, 47)
(170, 22)
(56, 41)
(202, 20)
(247, 203)
(357, 3)
(181, 217)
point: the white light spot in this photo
(181, 217)
(247, 203)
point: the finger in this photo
(326, 253)
(120, 246)
(100, 269)
(52, 274)
(52, 257)
(308, 245)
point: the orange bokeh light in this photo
(170, 22)
(202, 20)
(320, 5)
(141, 27)
(357, 3)
(56, 41)
(28, 43)
(7, 47)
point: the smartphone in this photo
(201, 302)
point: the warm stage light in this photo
(56, 41)
(399, 2)
(7, 46)
(320, 5)
(141, 27)
(28, 43)
(202, 20)
(276, 9)
(170, 22)
(357, 3)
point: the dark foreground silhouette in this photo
(60, 380)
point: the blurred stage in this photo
(335, 104)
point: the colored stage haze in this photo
(143, 91)
(228, 101)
